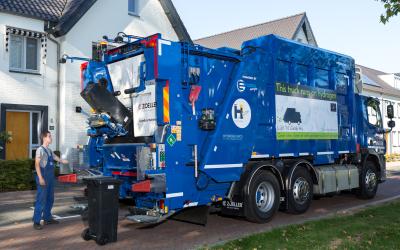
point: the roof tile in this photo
(284, 27)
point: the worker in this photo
(44, 165)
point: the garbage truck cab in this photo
(250, 131)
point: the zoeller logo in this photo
(232, 204)
(241, 113)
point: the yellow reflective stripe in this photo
(166, 103)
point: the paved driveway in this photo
(180, 235)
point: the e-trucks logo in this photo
(241, 113)
(241, 86)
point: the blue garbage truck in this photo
(249, 131)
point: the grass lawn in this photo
(372, 228)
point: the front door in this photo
(19, 124)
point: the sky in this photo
(351, 27)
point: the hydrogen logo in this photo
(241, 113)
(241, 86)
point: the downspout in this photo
(58, 91)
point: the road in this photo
(179, 235)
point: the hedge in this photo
(16, 175)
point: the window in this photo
(133, 7)
(374, 115)
(398, 110)
(395, 139)
(301, 74)
(321, 78)
(24, 54)
(283, 71)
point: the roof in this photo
(286, 27)
(175, 20)
(48, 10)
(72, 13)
(372, 81)
(64, 14)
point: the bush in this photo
(16, 175)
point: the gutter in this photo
(58, 91)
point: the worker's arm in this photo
(39, 171)
(56, 158)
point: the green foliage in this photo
(392, 157)
(392, 8)
(5, 136)
(16, 175)
(373, 228)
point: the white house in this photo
(38, 93)
(296, 27)
(385, 87)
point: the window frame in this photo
(379, 123)
(136, 6)
(23, 69)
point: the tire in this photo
(368, 181)
(86, 235)
(101, 241)
(300, 194)
(263, 198)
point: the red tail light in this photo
(83, 69)
(161, 204)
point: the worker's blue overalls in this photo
(45, 194)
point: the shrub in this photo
(16, 175)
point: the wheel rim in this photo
(265, 196)
(301, 190)
(370, 180)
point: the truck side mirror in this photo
(391, 124)
(390, 111)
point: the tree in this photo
(392, 8)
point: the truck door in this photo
(374, 136)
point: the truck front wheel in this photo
(301, 191)
(368, 181)
(262, 200)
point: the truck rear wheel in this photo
(300, 194)
(368, 181)
(262, 201)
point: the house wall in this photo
(392, 80)
(393, 138)
(103, 18)
(301, 37)
(29, 89)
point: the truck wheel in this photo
(368, 181)
(262, 201)
(300, 193)
(86, 234)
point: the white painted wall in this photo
(28, 89)
(105, 17)
(301, 37)
(392, 80)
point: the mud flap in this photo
(234, 207)
(196, 215)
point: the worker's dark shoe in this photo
(37, 226)
(51, 221)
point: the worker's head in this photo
(45, 137)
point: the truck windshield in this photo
(373, 113)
